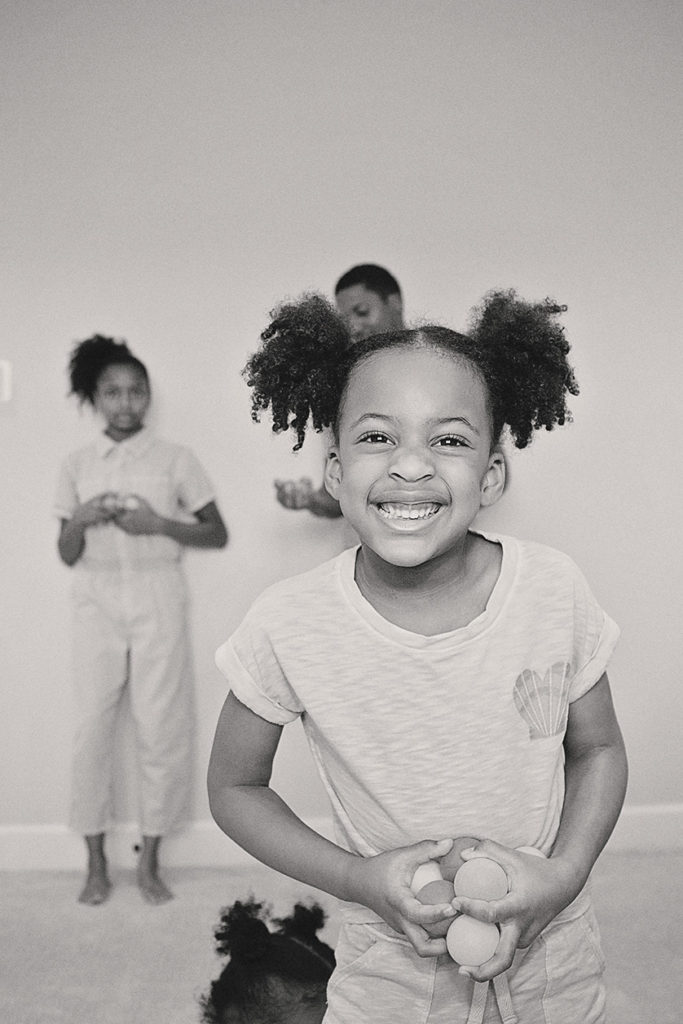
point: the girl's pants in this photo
(130, 630)
(557, 980)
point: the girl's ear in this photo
(333, 474)
(493, 481)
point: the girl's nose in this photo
(411, 463)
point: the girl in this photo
(128, 504)
(271, 976)
(451, 683)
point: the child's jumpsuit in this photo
(130, 629)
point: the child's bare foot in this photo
(152, 888)
(97, 885)
(96, 890)
(149, 883)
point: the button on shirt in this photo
(167, 475)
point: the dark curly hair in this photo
(517, 348)
(90, 358)
(269, 972)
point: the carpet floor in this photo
(129, 963)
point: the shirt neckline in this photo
(132, 446)
(377, 623)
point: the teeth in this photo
(399, 510)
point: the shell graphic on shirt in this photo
(542, 701)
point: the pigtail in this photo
(303, 925)
(299, 368)
(242, 933)
(523, 353)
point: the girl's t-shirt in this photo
(419, 737)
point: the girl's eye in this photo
(374, 437)
(452, 441)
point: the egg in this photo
(452, 860)
(470, 942)
(439, 891)
(481, 879)
(433, 893)
(129, 503)
(425, 873)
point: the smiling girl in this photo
(451, 683)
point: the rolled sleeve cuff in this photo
(594, 669)
(246, 690)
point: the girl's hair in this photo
(517, 348)
(268, 971)
(91, 357)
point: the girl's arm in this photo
(595, 785)
(251, 813)
(208, 530)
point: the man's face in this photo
(367, 312)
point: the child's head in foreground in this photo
(272, 976)
(417, 416)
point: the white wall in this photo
(171, 170)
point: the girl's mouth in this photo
(407, 510)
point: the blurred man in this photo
(369, 299)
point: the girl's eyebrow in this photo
(432, 423)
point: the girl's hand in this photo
(99, 509)
(539, 889)
(382, 883)
(140, 520)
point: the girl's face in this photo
(414, 464)
(122, 399)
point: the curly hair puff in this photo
(523, 354)
(300, 366)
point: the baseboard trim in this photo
(641, 829)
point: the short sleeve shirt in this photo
(420, 737)
(167, 475)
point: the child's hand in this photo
(382, 883)
(538, 890)
(294, 493)
(99, 509)
(140, 520)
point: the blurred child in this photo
(129, 503)
(278, 975)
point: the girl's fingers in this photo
(428, 849)
(424, 914)
(503, 855)
(490, 911)
(501, 959)
(422, 943)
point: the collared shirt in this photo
(168, 476)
